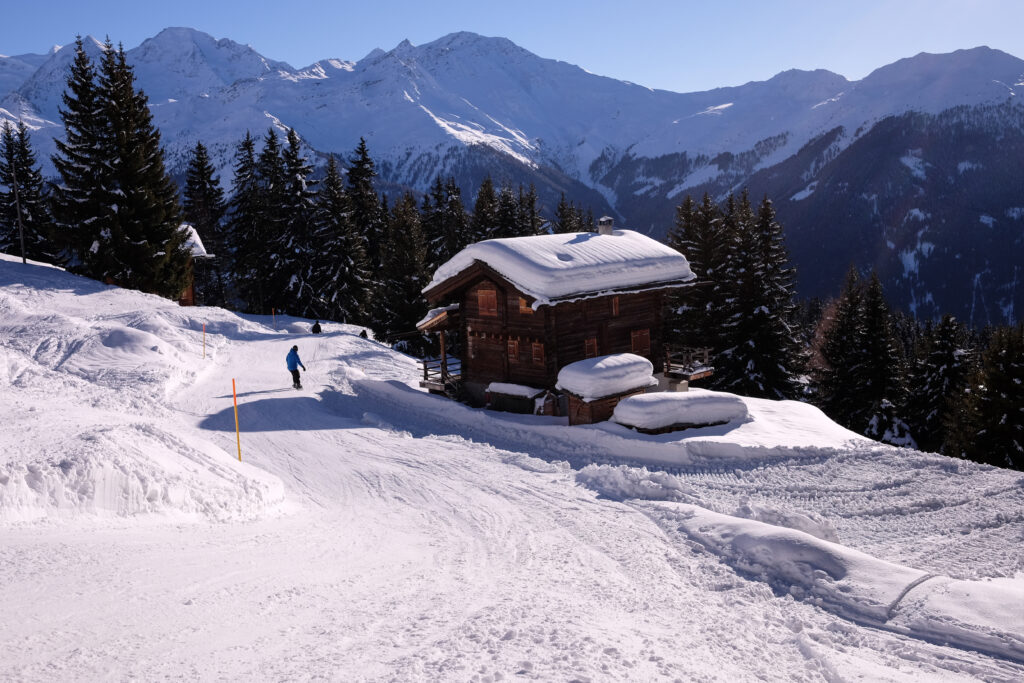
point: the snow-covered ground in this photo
(373, 532)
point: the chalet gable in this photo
(550, 269)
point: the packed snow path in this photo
(374, 533)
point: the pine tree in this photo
(247, 235)
(696, 316)
(567, 218)
(841, 355)
(404, 274)
(24, 213)
(338, 272)
(484, 224)
(455, 227)
(943, 362)
(882, 376)
(112, 168)
(762, 356)
(529, 214)
(294, 243)
(737, 365)
(273, 268)
(506, 213)
(366, 212)
(76, 202)
(204, 209)
(989, 427)
(431, 222)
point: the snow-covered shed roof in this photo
(668, 409)
(564, 267)
(595, 378)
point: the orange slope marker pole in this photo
(273, 316)
(238, 436)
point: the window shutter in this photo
(641, 341)
(538, 353)
(487, 301)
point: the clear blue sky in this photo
(677, 45)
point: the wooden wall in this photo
(561, 330)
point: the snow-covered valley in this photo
(374, 532)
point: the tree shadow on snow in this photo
(297, 413)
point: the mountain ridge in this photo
(470, 105)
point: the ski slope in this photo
(374, 532)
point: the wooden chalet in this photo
(526, 307)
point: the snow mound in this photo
(622, 483)
(808, 523)
(666, 409)
(602, 376)
(128, 470)
(984, 615)
(86, 376)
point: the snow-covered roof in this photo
(193, 243)
(508, 389)
(571, 266)
(435, 313)
(602, 376)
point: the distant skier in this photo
(316, 328)
(363, 334)
(294, 363)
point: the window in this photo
(590, 348)
(538, 353)
(641, 340)
(513, 350)
(487, 301)
(615, 306)
(524, 308)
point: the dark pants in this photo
(295, 378)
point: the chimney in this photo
(605, 225)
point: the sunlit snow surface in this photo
(374, 532)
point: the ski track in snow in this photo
(376, 533)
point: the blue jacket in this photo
(293, 360)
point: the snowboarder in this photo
(294, 363)
(363, 334)
(316, 328)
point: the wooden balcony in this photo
(441, 375)
(689, 363)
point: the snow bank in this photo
(131, 469)
(665, 409)
(86, 373)
(563, 266)
(843, 580)
(602, 376)
(983, 615)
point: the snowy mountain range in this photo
(909, 170)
